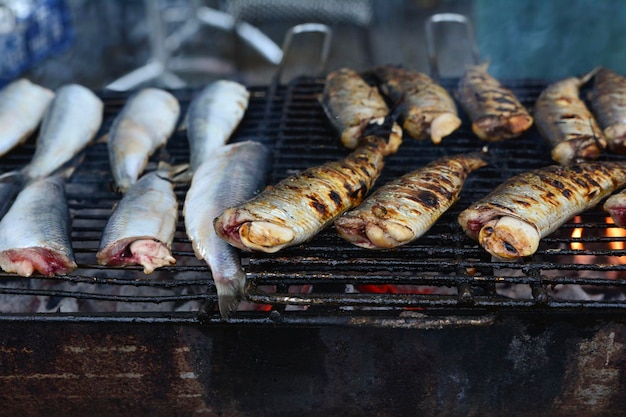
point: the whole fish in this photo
(22, 106)
(212, 118)
(231, 176)
(608, 102)
(145, 123)
(428, 109)
(404, 209)
(510, 222)
(351, 104)
(564, 120)
(297, 208)
(141, 228)
(70, 123)
(495, 111)
(35, 232)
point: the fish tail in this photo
(64, 171)
(229, 294)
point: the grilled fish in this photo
(70, 123)
(141, 228)
(35, 232)
(22, 106)
(608, 102)
(514, 217)
(428, 109)
(351, 104)
(231, 176)
(300, 206)
(494, 110)
(145, 124)
(212, 118)
(404, 209)
(564, 120)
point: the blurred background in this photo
(122, 44)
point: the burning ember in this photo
(601, 246)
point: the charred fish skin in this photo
(495, 111)
(213, 117)
(428, 108)
(22, 107)
(144, 124)
(608, 102)
(404, 209)
(233, 175)
(510, 221)
(35, 232)
(69, 125)
(351, 104)
(298, 207)
(141, 227)
(564, 120)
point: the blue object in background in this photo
(30, 31)
(550, 39)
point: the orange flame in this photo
(577, 234)
(612, 232)
(615, 232)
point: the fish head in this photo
(509, 238)
(265, 236)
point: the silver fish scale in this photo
(70, 123)
(39, 217)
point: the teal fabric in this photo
(550, 39)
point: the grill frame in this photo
(290, 120)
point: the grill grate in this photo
(443, 269)
(328, 280)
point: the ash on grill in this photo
(328, 279)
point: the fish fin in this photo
(180, 173)
(184, 123)
(588, 76)
(384, 129)
(184, 177)
(103, 139)
(11, 175)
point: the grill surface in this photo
(327, 280)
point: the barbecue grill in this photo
(449, 330)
